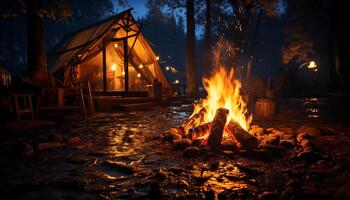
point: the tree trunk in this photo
(207, 40)
(191, 74)
(339, 48)
(252, 47)
(35, 37)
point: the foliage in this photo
(167, 38)
(298, 46)
(303, 30)
(51, 9)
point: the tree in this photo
(191, 72)
(207, 38)
(173, 5)
(36, 10)
(167, 38)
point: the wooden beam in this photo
(126, 67)
(122, 38)
(104, 64)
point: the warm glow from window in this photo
(123, 73)
(138, 75)
(140, 66)
(115, 45)
(113, 67)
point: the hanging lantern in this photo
(5, 77)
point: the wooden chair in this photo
(22, 104)
(54, 97)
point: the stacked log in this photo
(192, 121)
(246, 140)
(217, 127)
(199, 131)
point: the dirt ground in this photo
(127, 156)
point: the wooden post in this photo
(126, 69)
(91, 103)
(104, 63)
(60, 97)
(82, 103)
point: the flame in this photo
(223, 92)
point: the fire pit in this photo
(219, 120)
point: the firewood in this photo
(196, 118)
(246, 140)
(217, 127)
(199, 131)
(180, 131)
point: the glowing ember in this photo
(223, 92)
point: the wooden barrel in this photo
(265, 108)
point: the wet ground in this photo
(125, 156)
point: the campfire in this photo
(222, 117)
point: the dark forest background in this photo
(277, 36)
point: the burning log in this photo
(191, 122)
(217, 127)
(199, 131)
(246, 140)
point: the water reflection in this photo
(314, 106)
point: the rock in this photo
(197, 142)
(272, 139)
(56, 137)
(191, 152)
(254, 126)
(288, 136)
(308, 149)
(27, 148)
(309, 156)
(287, 130)
(23, 149)
(273, 149)
(268, 196)
(173, 136)
(343, 192)
(287, 193)
(306, 143)
(260, 131)
(181, 144)
(337, 168)
(328, 131)
(257, 131)
(260, 154)
(74, 140)
(270, 130)
(287, 143)
(313, 131)
(279, 133)
(303, 135)
(292, 183)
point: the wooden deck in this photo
(119, 104)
